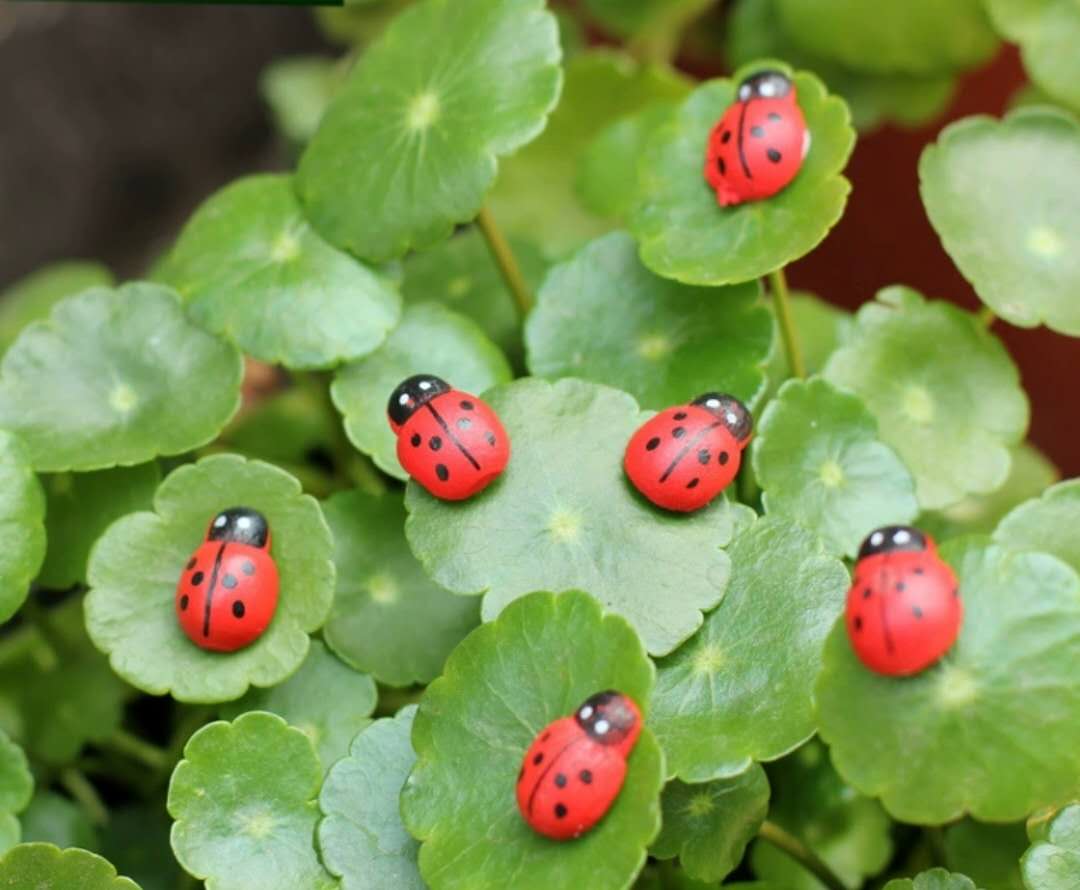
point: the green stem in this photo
(123, 742)
(85, 795)
(986, 317)
(801, 853)
(506, 261)
(782, 302)
(659, 40)
(46, 650)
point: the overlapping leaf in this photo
(32, 298)
(970, 734)
(116, 377)
(1052, 862)
(298, 89)
(16, 787)
(988, 854)
(22, 524)
(535, 663)
(821, 328)
(603, 316)
(934, 879)
(45, 867)
(564, 516)
(945, 393)
(1047, 31)
(1000, 195)
(135, 566)
(52, 818)
(448, 88)
(1047, 523)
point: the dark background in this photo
(117, 120)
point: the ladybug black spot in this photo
(196, 579)
(726, 137)
(248, 567)
(464, 423)
(184, 603)
(560, 780)
(490, 436)
(585, 776)
(678, 432)
(652, 443)
(442, 472)
(466, 405)
(774, 116)
(229, 581)
(238, 609)
(416, 440)
(773, 155)
(680, 415)
(956, 591)
(693, 483)
(757, 132)
(538, 758)
(545, 736)
(919, 570)
(721, 166)
(435, 443)
(703, 456)
(900, 586)
(858, 622)
(916, 611)
(723, 458)
(560, 811)
(191, 564)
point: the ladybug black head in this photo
(240, 525)
(764, 85)
(412, 393)
(732, 413)
(891, 538)
(607, 717)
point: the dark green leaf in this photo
(53, 819)
(136, 838)
(45, 867)
(22, 525)
(990, 854)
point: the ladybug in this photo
(450, 442)
(759, 144)
(904, 609)
(574, 769)
(683, 457)
(228, 591)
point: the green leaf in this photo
(243, 801)
(80, 507)
(298, 89)
(388, 618)
(740, 689)
(32, 298)
(628, 17)
(430, 339)
(1053, 860)
(361, 836)
(945, 393)
(1047, 523)
(135, 838)
(510, 678)
(134, 568)
(53, 819)
(16, 788)
(822, 329)
(326, 700)
(45, 867)
(989, 854)
(708, 826)
(819, 460)
(251, 269)
(902, 36)
(285, 428)
(999, 194)
(22, 525)
(359, 22)
(535, 194)
(602, 316)
(685, 235)
(563, 515)
(970, 734)
(850, 832)
(1047, 31)
(934, 879)
(116, 377)
(461, 274)
(429, 123)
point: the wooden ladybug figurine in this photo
(574, 769)
(228, 591)
(759, 144)
(683, 457)
(450, 442)
(904, 609)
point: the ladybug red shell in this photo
(574, 769)
(904, 609)
(683, 457)
(450, 442)
(228, 591)
(759, 144)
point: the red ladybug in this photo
(228, 591)
(903, 609)
(685, 456)
(449, 441)
(574, 769)
(760, 142)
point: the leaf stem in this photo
(506, 261)
(782, 301)
(801, 853)
(85, 794)
(130, 745)
(46, 651)
(986, 317)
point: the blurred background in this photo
(116, 121)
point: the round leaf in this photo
(1000, 195)
(945, 393)
(1047, 523)
(22, 525)
(562, 516)
(970, 734)
(818, 459)
(116, 377)
(708, 826)
(990, 854)
(1053, 860)
(134, 567)
(430, 339)
(80, 507)
(682, 231)
(471, 80)
(603, 316)
(1047, 31)
(243, 801)
(53, 819)
(362, 838)
(45, 867)
(740, 689)
(388, 618)
(16, 787)
(32, 298)
(537, 662)
(251, 269)
(326, 700)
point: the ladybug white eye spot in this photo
(712, 403)
(243, 522)
(602, 726)
(902, 536)
(767, 89)
(731, 418)
(744, 93)
(404, 399)
(425, 384)
(876, 538)
(586, 712)
(220, 521)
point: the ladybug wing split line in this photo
(686, 449)
(452, 436)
